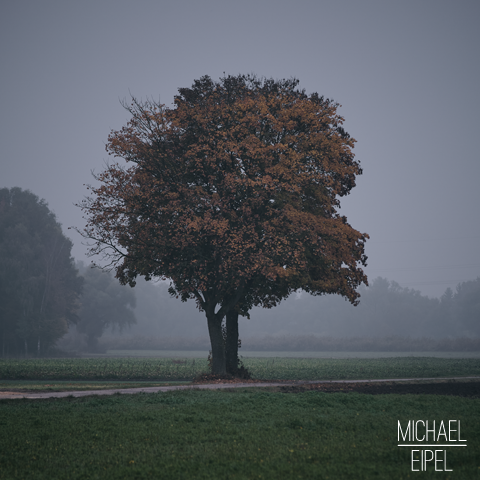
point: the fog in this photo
(406, 75)
(392, 317)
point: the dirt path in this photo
(460, 386)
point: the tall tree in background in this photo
(232, 195)
(467, 306)
(39, 284)
(104, 303)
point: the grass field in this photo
(284, 354)
(227, 435)
(162, 369)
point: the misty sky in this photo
(407, 75)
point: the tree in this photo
(467, 305)
(104, 303)
(232, 195)
(39, 285)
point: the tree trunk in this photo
(218, 347)
(231, 347)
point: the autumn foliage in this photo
(232, 195)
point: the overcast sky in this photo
(407, 75)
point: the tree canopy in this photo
(39, 285)
(232, 195)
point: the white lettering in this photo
(445, 462)
(438, 460)
(427, 431)
(407, 432)
(440, 434)
(459, 439)
(416, 431)
(450, 430)
(415, 460)
(427, 459)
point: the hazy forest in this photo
(388, 318)
(49, 301)
(109, 315)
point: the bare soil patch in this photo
(455, 388)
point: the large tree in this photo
(39, 284)
(232, 195)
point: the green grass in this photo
(101, 369)
(366, 368)
(162, 369)
(246, 434)
(291, 354)
(243, 434)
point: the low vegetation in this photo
(297, 343)
(163, 369)
(229, 434)
(242, 434)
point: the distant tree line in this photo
(388, 318)
(385, 309)
(104, 304)
(42, 293)
(39, 284)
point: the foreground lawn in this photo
(163, 369)
(228, 434)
